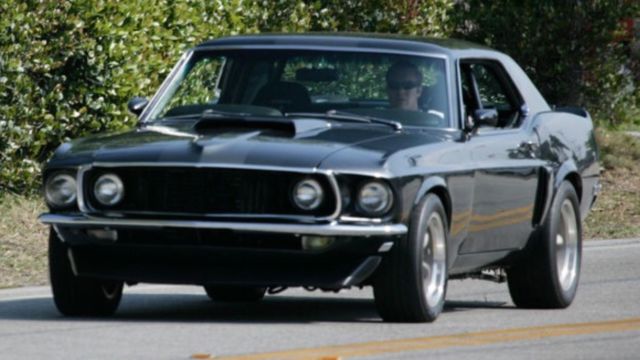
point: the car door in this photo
(504, 157)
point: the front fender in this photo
(427, 185)
(437, 185)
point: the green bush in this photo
(68, 68)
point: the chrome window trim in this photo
(330, 229)
(463, 115)
(163, 87)
(363, 49)
(85, 207)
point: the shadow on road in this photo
(457, 305)
(194, 308)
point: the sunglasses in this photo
(405, 85)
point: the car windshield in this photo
(411, 90)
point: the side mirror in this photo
(137, 105)
(485, 117)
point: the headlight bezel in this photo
(119, 185)
(49, 196)
(379, 211)
(318, 200)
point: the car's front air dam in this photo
(209, 265)
(221, 256)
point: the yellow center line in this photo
(444, 341)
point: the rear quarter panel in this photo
(567, 142)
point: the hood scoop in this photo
(278, 127)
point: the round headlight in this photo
(375, 198)
(108, 189)
(60, 190)
(307, 194)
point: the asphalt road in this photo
(479, 322)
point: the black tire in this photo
(399, 285)
(78, 296)
(230, 293)
(547, 275)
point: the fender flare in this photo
(552, 181)
(437, 185)
(568, 170)
(544, 194)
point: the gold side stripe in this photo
(486, 222)
(496, 224)
(461, 215)
(443, 342)
(503, 214)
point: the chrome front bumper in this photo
(331, 229)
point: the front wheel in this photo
(78, 296)
(412, 282)
(547, 276)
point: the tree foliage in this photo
(67, 68)
(568, 48)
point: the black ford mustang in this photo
(266, 162)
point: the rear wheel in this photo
(412, 282)
(229, 293)
(548, 274)
(78, 296)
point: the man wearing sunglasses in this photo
(404, 85)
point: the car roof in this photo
(383, 42)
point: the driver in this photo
(404, 85)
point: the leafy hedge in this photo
(67, 68)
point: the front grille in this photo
(208, 191)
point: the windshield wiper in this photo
(207, 114)
(345, 115)
(394, 124)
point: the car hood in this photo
(312, 142)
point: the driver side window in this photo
(491, 92)
(487, 86)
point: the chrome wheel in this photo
(547, 274)
(434, 260)
(567, 246)
(411, 283)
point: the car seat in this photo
(284, 96)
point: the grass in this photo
(616, 213)
(23, 241)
